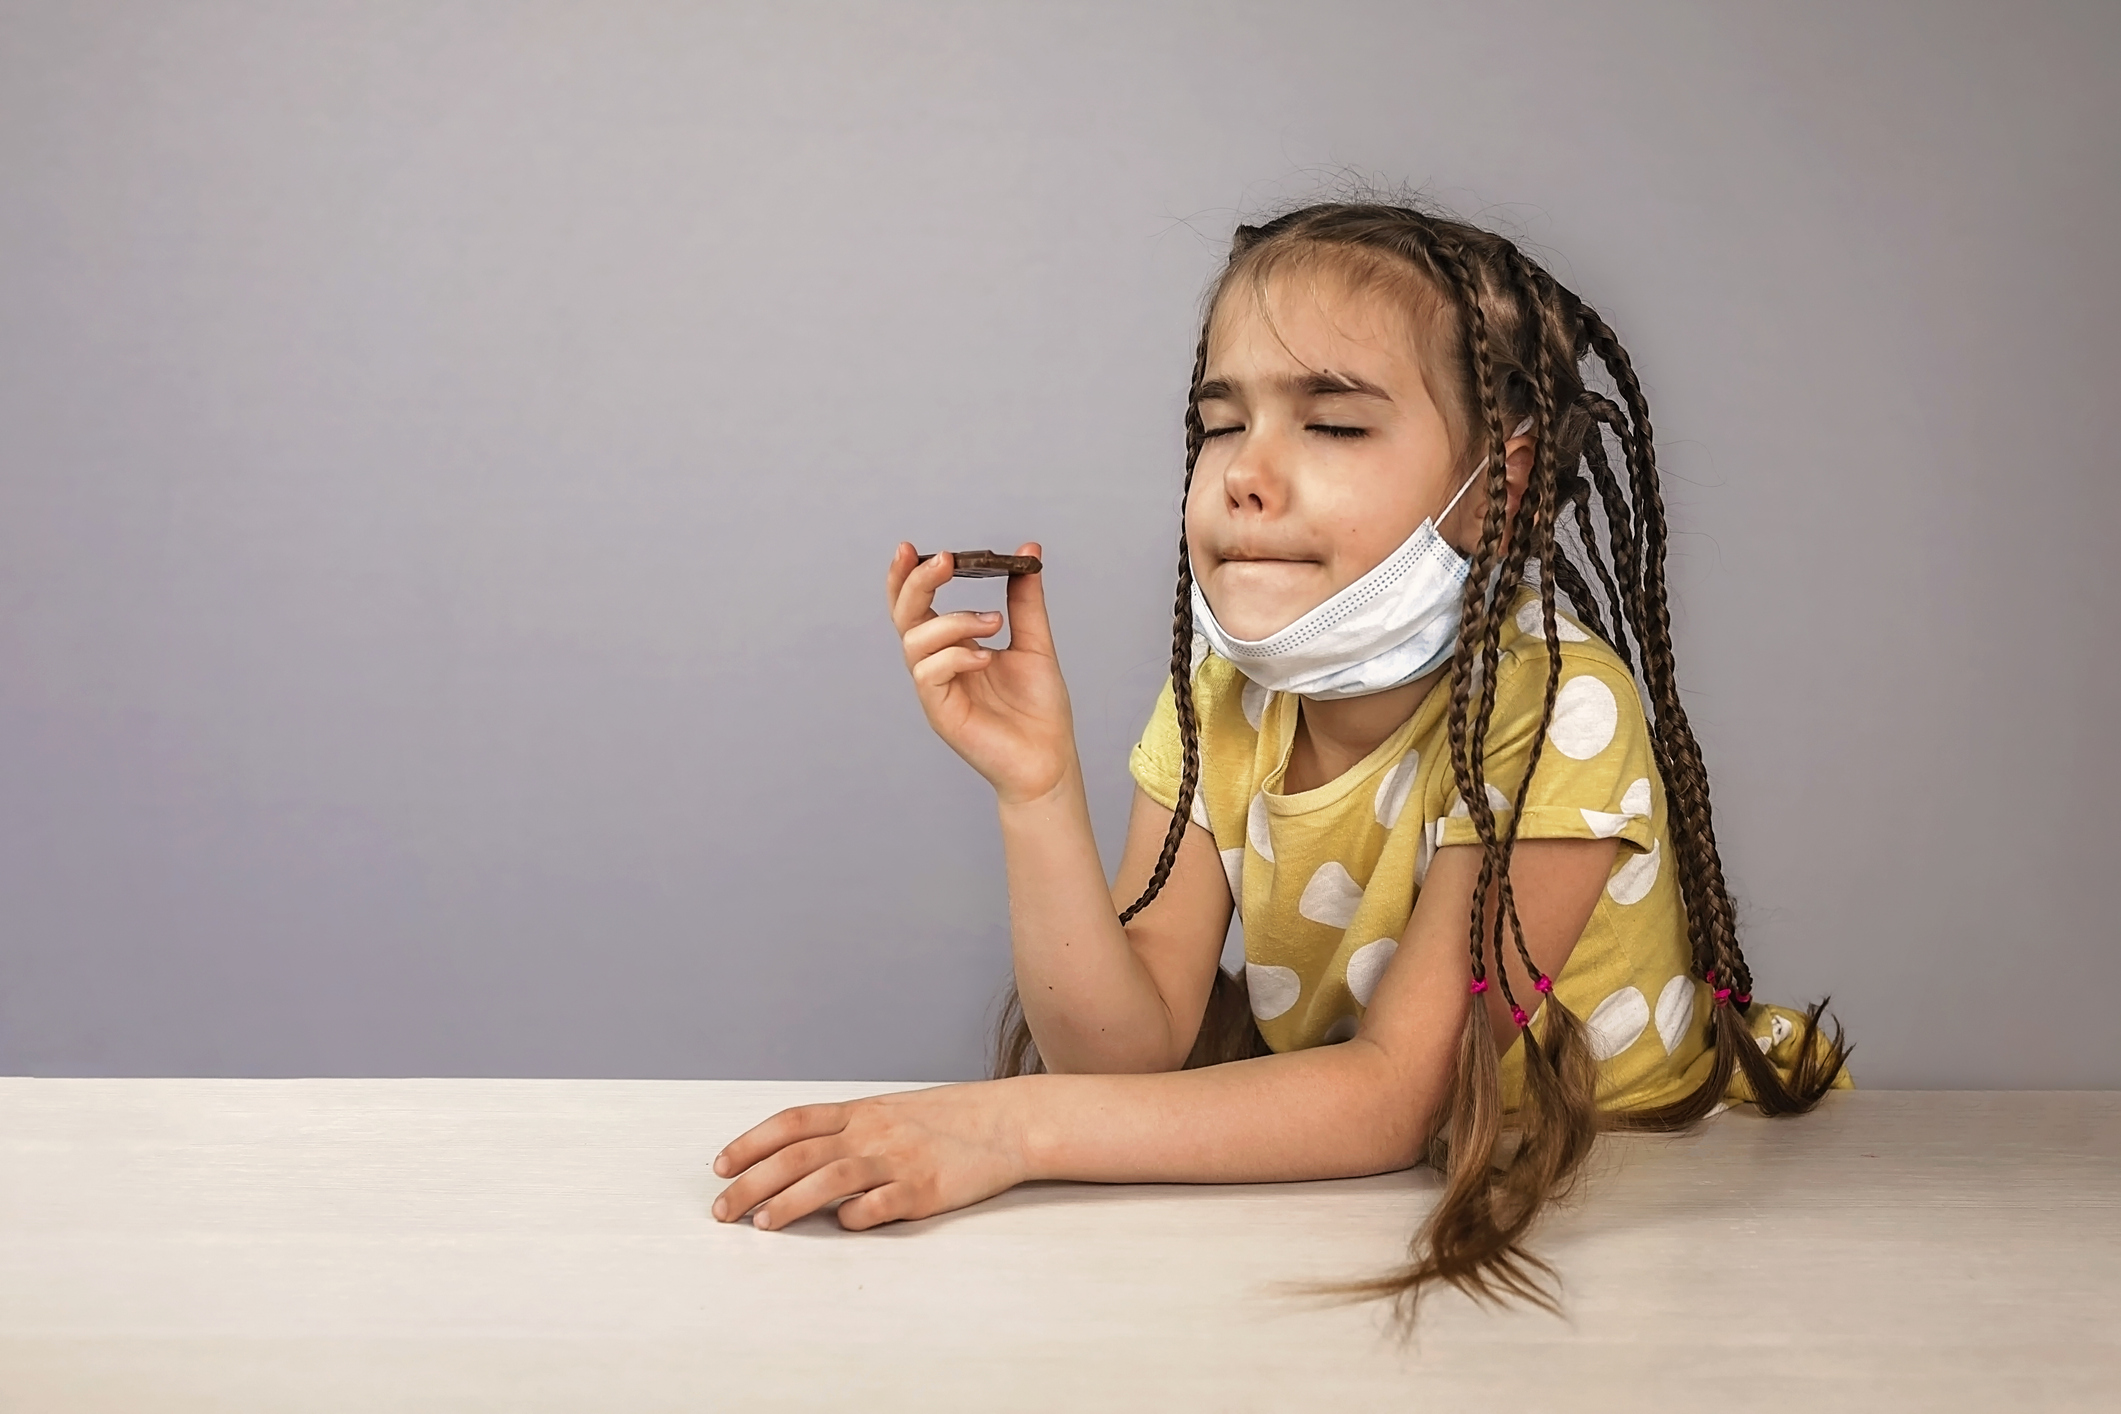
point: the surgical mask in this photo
(1386, 629)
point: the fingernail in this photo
(718, 1213)
(758, 1220)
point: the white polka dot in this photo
(1200, 810)
(1234, 871)
(1254, 700)
(1603, 825)
(1632, 880)
(1618, 1022)
(1497, 803)
(1585, 716)
(1424, 852)
(1392, 790)
(1257, 832)
(1331, 897)
(1339, 1031)
(1273, 989)
(1366, 964)
(1532, 620)
(1720, 1107)
(1637, 799)
(1779, 1029)
(1200, 652)
(1675, 1011)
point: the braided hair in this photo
(1510, 342)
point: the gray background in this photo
(448, 455)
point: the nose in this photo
(1253, 481)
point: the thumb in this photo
(1028, 626)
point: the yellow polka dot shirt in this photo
(1324, 880)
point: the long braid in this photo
(1560, 1071)
(1182, 656)
(1537, 541)
(1571, 581)
(1686, 782)
(1467, 730)
(1619, 521)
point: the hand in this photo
(907, 1155)
(1005, 711)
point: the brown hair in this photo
(1506, 341)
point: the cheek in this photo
(1199, 510)
(1364, 532)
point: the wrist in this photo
(1036, 801)
(1032, 1133)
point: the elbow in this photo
(1406, 1106)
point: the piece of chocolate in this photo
(985, 564)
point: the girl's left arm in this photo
(1365, 1106)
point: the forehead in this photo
(1310, 318)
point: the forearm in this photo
(1088, 999)
(1328, 1112)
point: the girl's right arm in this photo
(1098, 997)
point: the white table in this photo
(181, 1245)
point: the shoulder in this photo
(1228, 708)
(1596, 697)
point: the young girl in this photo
(1473, 858)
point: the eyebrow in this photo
(1326, 383)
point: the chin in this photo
(1253, 612)
(1256, 598)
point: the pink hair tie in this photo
(1743, 998)
(1517, 1015)
(1723, 994)
(1480, 984)
(1545, 984)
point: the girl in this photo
(1473, 858)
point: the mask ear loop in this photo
(1471, 476)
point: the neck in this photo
(1332, 735)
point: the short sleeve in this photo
(1158, 759)
(1596, 776)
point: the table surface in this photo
(182, 1245)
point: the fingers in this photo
(885, 1204)
(787, 1127)
(913, 601)
(1028, 627)
(776, 1173)
(945, 629)
(940, 668)
(903, 560)
(842, 1178)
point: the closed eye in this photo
(1209, 432)
(1332, 431)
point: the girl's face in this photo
(1324, 449)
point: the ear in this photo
(1517, 473)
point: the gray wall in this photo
(448, 456)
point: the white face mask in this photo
(1386, 629)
